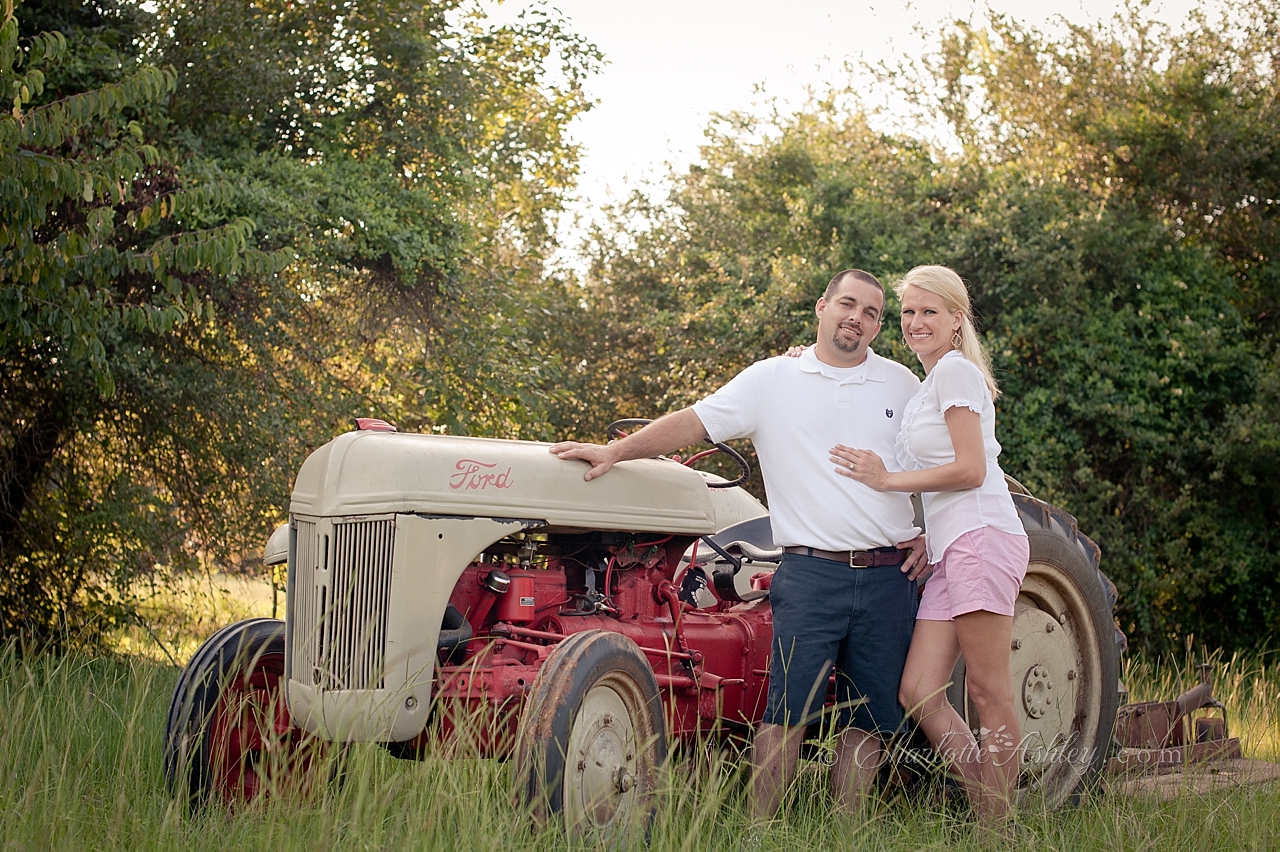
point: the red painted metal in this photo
(711, 664)
(253, 743)
(518, 605)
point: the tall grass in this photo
(80, 768)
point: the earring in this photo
(956, 340)
(904, 342)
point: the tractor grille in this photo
(340, 591)
(302, 606)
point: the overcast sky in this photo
(674, 62)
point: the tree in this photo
(414, 164)
(94, 264)
(1109, 194)
(224, 262)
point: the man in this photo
(844, 593)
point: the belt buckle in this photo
(861, 559)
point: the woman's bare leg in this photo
(988, 769)
(984, 639)
(923, 692)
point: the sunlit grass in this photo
(81, 768)
(175, 618)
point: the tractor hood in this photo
(364, 473)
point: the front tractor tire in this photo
(229, 738)
(1064, 660)
(592, 737)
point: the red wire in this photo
(608, 574)
(653, 543)
(702, 455)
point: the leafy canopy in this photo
(1110, 193)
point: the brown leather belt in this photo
(877, 558)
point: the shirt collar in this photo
(873, 369)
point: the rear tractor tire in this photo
(592, 737)
(229, 738)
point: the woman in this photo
(947, 449)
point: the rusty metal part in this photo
(1159, 735)
(1131, 760)
(1166, 724)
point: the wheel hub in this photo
(1037, 691)
(601, 758)
(1043, 660)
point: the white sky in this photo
(674, 62)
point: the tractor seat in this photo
(746, 541)
(750, 539)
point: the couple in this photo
(844, 437)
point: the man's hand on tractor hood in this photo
(664, 435)
(601, 458)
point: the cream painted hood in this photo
(364, 473)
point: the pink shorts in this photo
(980, 570)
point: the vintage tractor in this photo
(446, 587)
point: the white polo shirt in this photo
(796, 409)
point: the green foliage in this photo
(228, 228)
(727, 269)
(412, 154)
(97, 267)
(1111, 194)
(1118, 408)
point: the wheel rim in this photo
(254, 748)
(1057, 681)
(601, 774)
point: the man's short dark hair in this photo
(857, 275)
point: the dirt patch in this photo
(1199, 778)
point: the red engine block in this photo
(711, 664)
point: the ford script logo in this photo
(475, 475)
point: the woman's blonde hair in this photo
(943, 282)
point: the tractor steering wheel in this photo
(622, 428)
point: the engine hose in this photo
(455, 631)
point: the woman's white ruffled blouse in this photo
(924, 441)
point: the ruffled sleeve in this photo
(959, 383)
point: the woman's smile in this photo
(927, 325)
